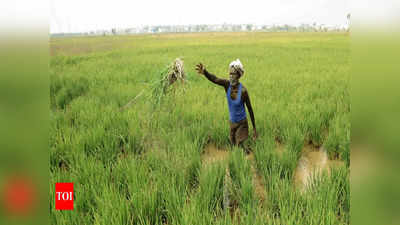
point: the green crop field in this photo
(151, 164)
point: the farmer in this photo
(237, 95)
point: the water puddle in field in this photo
(313, 162)
(214, 154)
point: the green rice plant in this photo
(314, 129)
(284, 202)
(193, 171)
(264, 154)
(210, 194)
(340, 177)
(329, 196)
(337, 143)
(66, 88)
(295, 141)
(241, 175)
(272, 163)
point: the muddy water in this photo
(213, 154)
(313, 162)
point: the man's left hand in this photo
(255, 135)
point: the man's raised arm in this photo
(201, 69)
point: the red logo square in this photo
(64, 196)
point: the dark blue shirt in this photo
(237, 112)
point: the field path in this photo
(258, 181)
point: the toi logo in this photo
(65, 196)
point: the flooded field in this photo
(167, 159)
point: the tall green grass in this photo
(143, 165)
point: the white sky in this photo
(88, 15)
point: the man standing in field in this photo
(237, 95)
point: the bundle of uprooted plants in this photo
(165, 83)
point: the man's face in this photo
(233, 78)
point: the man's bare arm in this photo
(211, 77)
(250, 109)
(216, 80)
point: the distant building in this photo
(314, 27)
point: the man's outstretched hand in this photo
(201, 69)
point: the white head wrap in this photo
(236, 66)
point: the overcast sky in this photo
(88, 15)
